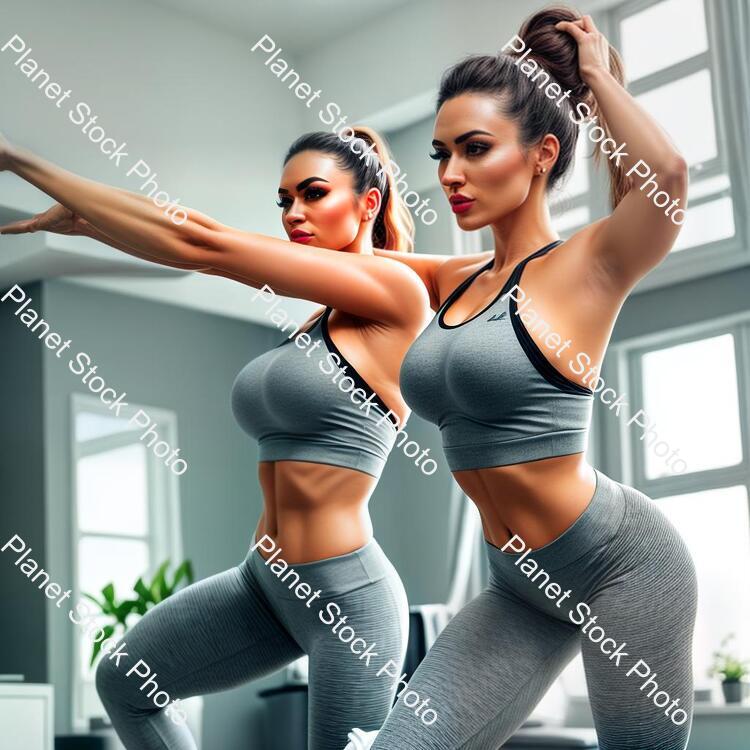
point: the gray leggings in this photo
(246, 623)
(497, 658)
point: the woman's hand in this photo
(57, 219)
(593, 47)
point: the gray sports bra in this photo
(299, 406)
(484, 382)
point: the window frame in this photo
(621, 452)
(712, 257)
(164, 537)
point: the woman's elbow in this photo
(676, 170)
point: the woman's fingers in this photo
(571, 28)
(587, 22)
(24, 226)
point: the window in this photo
(569, 202)
(684, 68)
(694, 388)
(705, 520)
(673, 77)
(696, 391)
(125, 515)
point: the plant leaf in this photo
(124, 609)
(109, 594)
(108, 630)
(159, 584)
(184, 571)
(143, 592)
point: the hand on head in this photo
(593, 47)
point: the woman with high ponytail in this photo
(394, 226)
(325, 408)
(508, 370)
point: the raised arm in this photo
(638, 234)
(359, 284)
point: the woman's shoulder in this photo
(456, 269)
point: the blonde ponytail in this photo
(394, 226)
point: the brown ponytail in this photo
(524, 102)
(394, 226)
(557, 52)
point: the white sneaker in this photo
(359, 740)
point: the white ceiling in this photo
(302, 24)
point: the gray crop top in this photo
(299, 406)
(484, 382)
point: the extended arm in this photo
(60, 220)
(357, 283)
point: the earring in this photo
(542, 170)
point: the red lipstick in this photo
(297, 235)
(460, 203)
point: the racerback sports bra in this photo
(299, 406)
(484, 382)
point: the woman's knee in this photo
(113, 685)
(108, 680)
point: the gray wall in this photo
(410, 515)
(23, 635)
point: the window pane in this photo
(647, 48)
(90, 425)
(577, 181)
(708, 222)
(707, 521)
(685, 109)
(103, 561)
(708, 186)
(570, 219)
(690, 396)
(112, 491)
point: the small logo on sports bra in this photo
(501, 316)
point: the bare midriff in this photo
(537, 500)
(314, 511)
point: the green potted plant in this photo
(732, 670)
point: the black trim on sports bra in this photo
(299, 333)
(470, 279)
(542, 365)
(351, 371)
